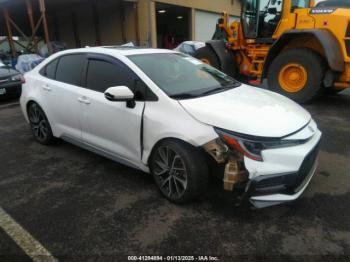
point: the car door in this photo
(61, 92)
(113, 127)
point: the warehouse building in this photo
(79, 23)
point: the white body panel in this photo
(61, 95)
(130, 134)
(112, 126)
(281, 160)
(249, 110)
(174, 122)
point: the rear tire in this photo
(208, 56)
(40, 125)
(179, 170)
(297, 73)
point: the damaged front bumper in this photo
(270, 190)
(279, 197)
(281, 177)
(285, 175)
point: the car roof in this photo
(118, 50)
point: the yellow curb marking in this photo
(24, 239)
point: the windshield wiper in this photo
(183, 96)
(232, 84)
(218, 89)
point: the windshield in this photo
(181, 76)
(249, 18)
(300, 3)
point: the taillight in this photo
(23, 80)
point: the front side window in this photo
(102, 75)
(300, 4)
(181, 76)
(70, 68)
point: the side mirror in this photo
(119, 93)
(272, 11)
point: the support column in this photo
(75, 30)
(46, 29)
(192, 25)
(122, 22)
(9, 33)
(153, 25)
(31, 22)
(56, 27)
(96, 18)
(136, 21)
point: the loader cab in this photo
(260, 18)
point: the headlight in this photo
(252, 147)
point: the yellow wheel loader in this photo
(301, 49)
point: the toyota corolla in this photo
(171, 115)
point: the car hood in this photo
(249, 110)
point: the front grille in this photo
(347, 45)
(306, 167)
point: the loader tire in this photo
(208, 56)
(298, 74)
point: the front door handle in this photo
(47, 88)
(84, 100)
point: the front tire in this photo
(298, 74)
(40, 125)
(179, 170)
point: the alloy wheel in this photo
(38, 122)
(170, 172)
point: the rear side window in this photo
(70, 68)
(49, 70)
(102, 75)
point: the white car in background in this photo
(171, 115)
(189, 47)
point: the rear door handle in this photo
(47, 87)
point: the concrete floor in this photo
(81, 206)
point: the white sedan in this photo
(171, 115)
